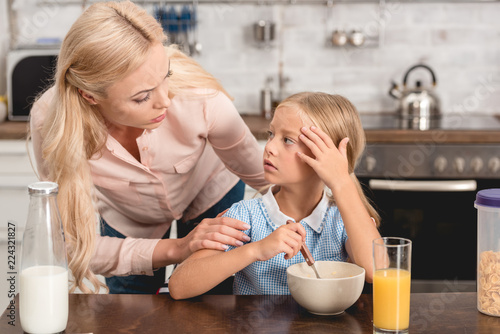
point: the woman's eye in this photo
(147, 97)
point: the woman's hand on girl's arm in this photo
(328, 162)
(214, 234)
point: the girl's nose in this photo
(269, 148)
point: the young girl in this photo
(314, 142)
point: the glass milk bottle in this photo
(43, 295)
(488, 251)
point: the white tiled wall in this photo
(461, 42)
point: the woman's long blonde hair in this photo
(106, 43)
(338, 118)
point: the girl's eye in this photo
(288, 141)
(169, 74)
(148, 96)
(270, 135)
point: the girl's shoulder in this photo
(246, 207)
(252, 212)
(332, 212)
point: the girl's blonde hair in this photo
(338, 118)
(105, 44)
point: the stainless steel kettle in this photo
(417, 102)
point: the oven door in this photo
(440, 218)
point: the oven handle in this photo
(442, 186)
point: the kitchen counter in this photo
(13, 130)
(259, 126)
(430, 313)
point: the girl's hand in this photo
(214, 233)
(329, 162)
(286, 239)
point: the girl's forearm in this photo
(206, 268)
(359, 226)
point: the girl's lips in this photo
(268, 165)
(159, 118)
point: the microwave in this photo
(29, 73)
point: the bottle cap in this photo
(488, 197)
(43, 188)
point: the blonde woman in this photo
(314, 142)
(138, 135)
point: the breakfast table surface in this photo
(451, 312)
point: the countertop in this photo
(444, 312)
(259, 126)
(13, 130)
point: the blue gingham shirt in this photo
(326, 237)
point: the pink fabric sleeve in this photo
(130, 256)
(233, 141)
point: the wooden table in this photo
(443, 313)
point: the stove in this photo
(432, 159)
(425, 191)
(445, 122)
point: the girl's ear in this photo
(90, 99)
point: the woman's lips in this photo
(159, 118)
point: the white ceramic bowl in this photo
(340, 286)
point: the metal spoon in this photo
(307, 255)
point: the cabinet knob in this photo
(494, 164)
(459, 164)
(440, 163)
(476, 164)
(370, 162)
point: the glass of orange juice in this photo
(391, 285)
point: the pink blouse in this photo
(188, 164)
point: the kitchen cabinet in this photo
(16, 174)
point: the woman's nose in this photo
(162, 101)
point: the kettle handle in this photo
(417, 66)
(394, 87)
